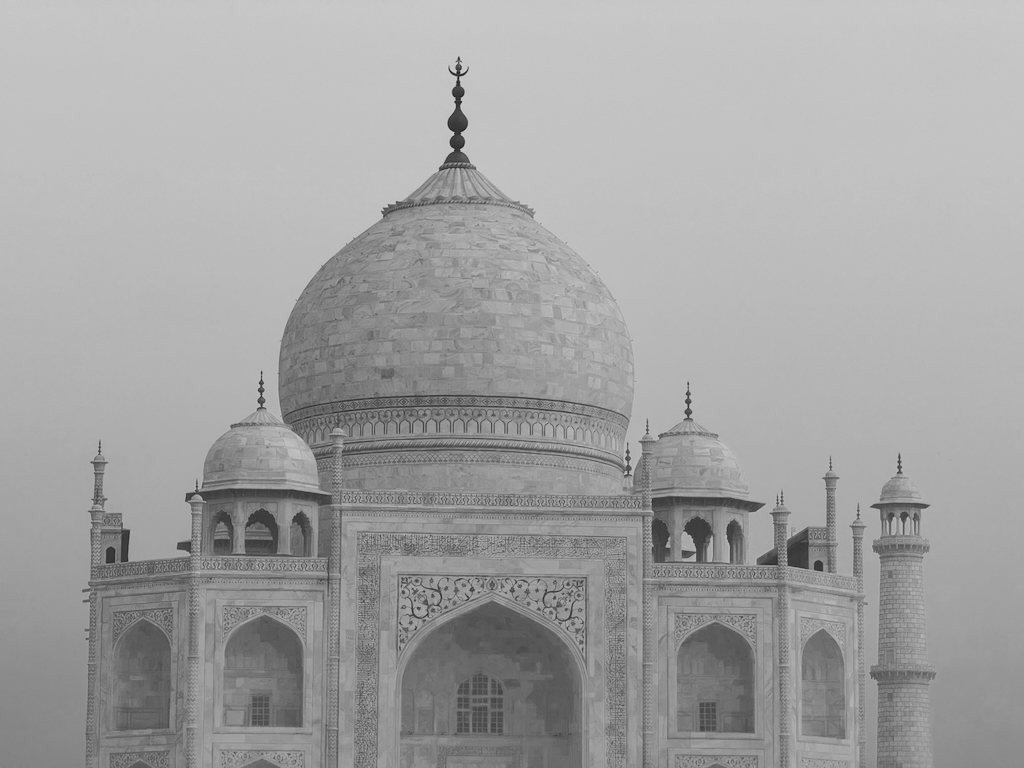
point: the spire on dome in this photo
(648, 426)
(688, 412)
(629, 468)
(829, 463)
(261, 400)
(899, 464)
(458, 122)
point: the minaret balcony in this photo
(901, 544)
(906, 673)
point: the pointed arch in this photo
(715, 681)
(535, 682)
(263, 675)
(261, 534)
(737, 544)
(111, 555)
(701, 532)
(142, 678)
(823, 687)
(222, 532)
(301, 535)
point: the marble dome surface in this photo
(456, 291)
(260, 451)
(690, 461)
(900, 489)
(461, 345)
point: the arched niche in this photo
(111, 555)
(301, 536)
(699, 531)
(261, 533)
(737, 548)
(142, 679)
(536, 670)
(823, 688)
(222, 532)
(715, 682)
(263, 670)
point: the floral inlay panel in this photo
(745, 624)
(810, 625)
(294, 615)
(423, 597)
(236, 758)
(162, 617)
(127, 759)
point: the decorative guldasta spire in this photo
(458, 122)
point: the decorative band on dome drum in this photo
(456, 201)
(545, 461)
(455, 401)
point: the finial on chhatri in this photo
(899, 464)
(629, 468)
(688, 412)
(261, 400)
(458, 122)
(782, 498)
(858, 510)
(197, 485)
(99, 446)
(829, 463)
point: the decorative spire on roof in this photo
(629, 468)
(829, 463)
(688, 412)
(197, 485)
(782, 498)
(261, 400)
(899, 464)
(858, 510)
(648, 426)
(99, 447)
(458, 122)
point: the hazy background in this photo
(811, 211)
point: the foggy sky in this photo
(810, 211)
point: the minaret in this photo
(831, 478)
(858, 527)
(780, 519)
(902, 673)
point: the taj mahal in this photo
(443, 553)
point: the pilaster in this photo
(780, 518)
(192, 690)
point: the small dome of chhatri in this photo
(900, 489)
(690, 461)
(260, 451)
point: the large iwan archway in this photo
(494, 683)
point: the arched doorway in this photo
(491, 682)
(823, 688)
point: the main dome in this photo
(462, 346)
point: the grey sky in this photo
(810, 211)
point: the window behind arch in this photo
(480, 706)
(823, 688)
(142, 688)
(263, 676)
(715, 682)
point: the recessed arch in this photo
(539, 671)
(715, 681)
(261, 533)
(111, 555)
(222, 532)
(300, 534)
(823, 687)
(142, 678)
(263, 675)
(737, 544)
(700, 531)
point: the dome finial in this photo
(629, 468)
(688, 412)
(648, 427)
(458, 122)
(858, 510)
(782, 498)
(899, 464)
(829, 463)
(261, 400)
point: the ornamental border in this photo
(509, 500)
(372, 547)
(706, 760)
(686, 624)
(293, 615)
(152, 758)
(810, 625)
(400, 402)
(163, 618)
(493, 585)
(286, 758)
